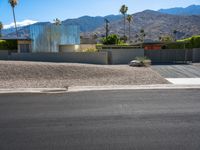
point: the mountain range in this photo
(190, 10)
(154, 23)
(88, 24)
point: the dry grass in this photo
(38, 75)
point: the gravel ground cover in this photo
(16, 74)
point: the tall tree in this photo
(1, 27)
(123, 10)
(13, 3)
(175, 34)
(57, 21)
(129, 19)
(142, 35)
(107, 27)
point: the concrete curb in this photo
(33, 90)
(132, 87)
(97, 88)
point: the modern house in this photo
(23, 43)
(48, 38)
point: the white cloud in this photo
(20, 24)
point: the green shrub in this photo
(176, 45)
(99, 45)
(166, 39)
(112, 39)
(8, 44)
(91, 50)
(121, 43)
(189, 43)
(123, 39)
(195, 42)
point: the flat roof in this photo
(15, 38)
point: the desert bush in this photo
(112, 39)
(124, 39)
(91, 50)
(166, 39)
(121, 43)
(144, 61)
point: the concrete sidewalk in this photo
(180, 74)
(97, 88)
(184, 81)
(130, 87)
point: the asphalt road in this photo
(101, 120)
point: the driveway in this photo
(178, 71)
(101, 120)
(180, 74)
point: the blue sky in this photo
(47, 10)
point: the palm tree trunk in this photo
(129, 32)
(124, 26)
(15, 20)
(175, 37)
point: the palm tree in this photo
(1, 27)
(57, 21)
(175, 32)
(129, 19)
(142, 35)
(107, 27)
(123, 10)
(13, 3)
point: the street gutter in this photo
(97, 88)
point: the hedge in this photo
(8, 44)
(192, 42)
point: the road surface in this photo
(101, 120)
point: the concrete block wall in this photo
(169, 55)
(109, 56)
(196, 55)
(123, 56)
(73, 57)
(3, 55)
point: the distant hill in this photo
(190, 10)
(157, 24)
(22, 31)
(88, 24)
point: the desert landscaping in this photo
(16, 74)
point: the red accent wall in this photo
(152, 47)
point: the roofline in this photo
(15, 38)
